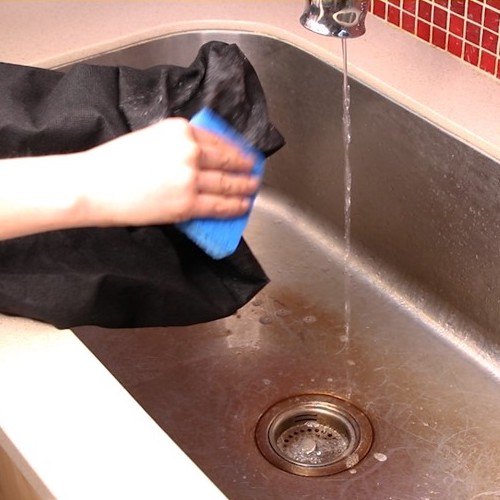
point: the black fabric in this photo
(125, 277)
(45, 112)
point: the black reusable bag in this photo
(125, 277)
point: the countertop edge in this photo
(66, 424)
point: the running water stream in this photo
(346, 122)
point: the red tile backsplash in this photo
(475, 12)
(438, 38)
(490, 41)
(468, 29)
(425, 10)
(410, 6)
(408, 22)
(424, 30)
(393, 14)
(471, 54)
(491, 20)
(458, 6)
(472, 33)
(379, 8)
(456, 25)
(488, 62)
(440, 17)
(455, 46)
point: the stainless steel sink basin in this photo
(422, 357)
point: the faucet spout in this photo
(339, 18)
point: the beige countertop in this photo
(75, 432)
(64, 419)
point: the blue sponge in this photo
(220, 237)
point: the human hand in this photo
(166, 173)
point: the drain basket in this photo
(314, 435)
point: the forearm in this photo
(162, 174)
(39, 194)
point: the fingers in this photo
(218, 154)
(224, 183)
(227, 184)
(209, 205)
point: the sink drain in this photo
(314, 435)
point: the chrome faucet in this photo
(339, 18)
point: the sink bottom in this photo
(208, 385)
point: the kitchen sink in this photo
(420, 361)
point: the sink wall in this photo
(14, 485)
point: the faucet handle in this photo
(339, 18)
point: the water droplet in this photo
(380, 457)
(265, 320)
(281, 313)
(309, 319)
(257, 302)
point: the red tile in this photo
(472, 33)
(492, 19)
(393, 15)
(439, 38)
(410, 6)
(468, 29)
(489, 41)
(458, 6)
(424, 30)
(440, 17)
(408, 22)
(379, 8)
(471, 54)
(488, 62)
(425, 10)
(455, 45)
(456, 25)
(475, 11)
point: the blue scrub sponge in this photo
(220, 237)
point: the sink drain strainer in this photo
(314, 435)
